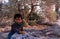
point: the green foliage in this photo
(34, 16)
(32, 23)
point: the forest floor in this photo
(37, 32)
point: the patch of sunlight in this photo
(5, 1)
(38, 9)
(59, 9)
(53, 7)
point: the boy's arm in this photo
(21, 31)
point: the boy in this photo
(17, 26)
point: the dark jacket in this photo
(17, 27)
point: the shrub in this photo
(34, 16)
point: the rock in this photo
(52, 32)
(4, 35)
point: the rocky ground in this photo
(36, 32)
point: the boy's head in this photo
(18, 18)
